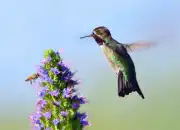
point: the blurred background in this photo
(29, 27)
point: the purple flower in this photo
(63, 113)
(54, 93)
(38, 115)
(42, 71)
(45, 88)
(84, 123)
(55, 71)
(82, 100)
(41, 104)
(46, 78)
(35, 118)
(81, 116)
(32, 117)
(57, 53)
(39, 126)
(43, 91)
(75, 105)
(48, 114)
(67, 92)
(67, 75)
(75, 97)
(43, 61)
(41, 94)
(72, 82)
(44, 75)
(57, 103)
(60, 63)
(63, 67)
(39, 108)
(48, 59)
(56, 121)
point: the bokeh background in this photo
(28, 27)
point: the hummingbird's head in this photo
(100, 34)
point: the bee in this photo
(33, 77)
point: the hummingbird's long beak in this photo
(86, 36)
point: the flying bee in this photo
(33, 77)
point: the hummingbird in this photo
(119, 59)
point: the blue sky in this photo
(29, 27)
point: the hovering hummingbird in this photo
(119, 59)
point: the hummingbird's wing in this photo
(138, 46)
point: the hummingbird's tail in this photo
(126, 87)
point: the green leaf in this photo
(65, 103)
(71, 113)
